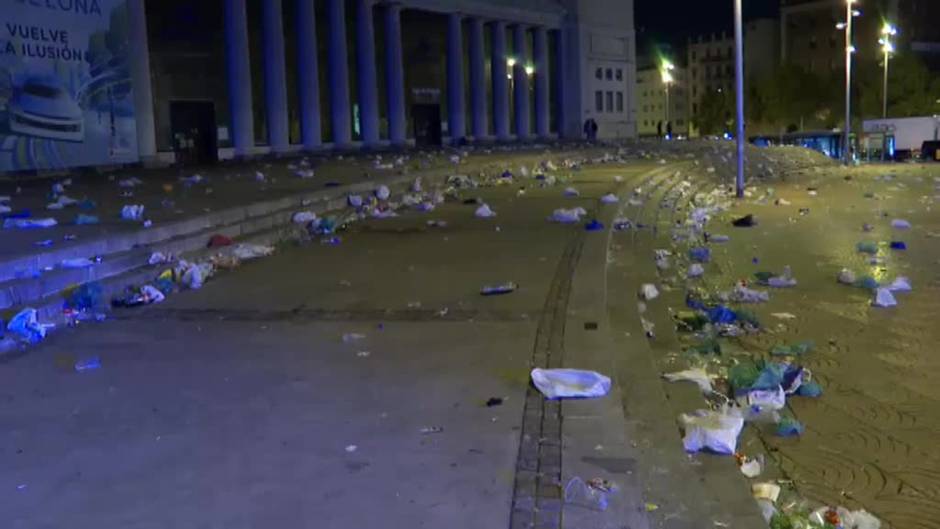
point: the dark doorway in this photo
(192, 124)
(427, 123)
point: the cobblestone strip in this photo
(537, 492)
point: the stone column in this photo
(275, 75)
(140, 76)
(562, 90)
(394, 75)
(338, 73)
(456, 108)
(308, 74)
(238, 76)
(500, 85)
(540, 52)
(477, 79)
(365, 67)
(520, 82)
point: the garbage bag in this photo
(649, 292)
(570, 383)
(609, 198)
(900, 224)
(771, 399)
(594, 225)
(900, 284)
(700, 254)
(247, 252)
(132, 212)
(789, 427)
(867, 247)
(711, 430)
(567, 216)
(898, 245)
(27, 223)
(85, 297)
(695, 270)
(571, 192)
(742, 294)
(846, 277)
(484, 212)
(697, 375)
(382, 192)
(884, 298)
(722, 314)
(746, 221)
(742, 376)
(809, 389)
(27, 327)
(770, 377)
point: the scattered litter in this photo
(697, 375)
(570, 383)
(382, 192)
(594, 225)
(130, 182)
(352, 337)
(751, 468)
(427, 430)
(88, 364)
(884, 298)
(82, 219)
(900, 224)
(742, 294)
(304, 217)
(27, 223)
(484, 211)
(158, 258)
(783, 315)
(494, 401)
(898, 245)
(746, 221)
(571, 192)
(900, 284)
(27, 327)
(846, 277)
(77, 262)
(496, 290)
(132, 212)
(716, 431)
(700, 254)
(766, 491)
(567, 216)
(218, 240)
(351, 448)
(649, 292)
(581, 494)
(621, 224)
(867, 247)
(609, 198)
(718, 238)
(695, 270)
(246, 252)
(789, 427)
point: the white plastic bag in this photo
(884, 298)
(649, 292)
(695, 270)
(711, 430)
(484, 212)
(245, 252)
(773, 399)
(570, 383)
(609, 198)
(567, 216)
(900, 284)
(382, 193)
(697, 375)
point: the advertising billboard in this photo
(65, 90)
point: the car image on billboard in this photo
(42, 107)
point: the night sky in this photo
(661, 22)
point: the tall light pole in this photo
(665, 71)
(887, 47)
(739, 96)
(849, 50)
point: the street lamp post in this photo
(887, 47)
(739, 99)
(666, 72)
(850, 13)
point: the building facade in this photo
(652, 103)
(340, 74)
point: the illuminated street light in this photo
(887, 47)
(665, 72)
(850, 13)
(529, 70)
(510, 62)
(739, 94)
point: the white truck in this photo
(899, 138)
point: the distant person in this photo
(659, 129)
(592, 129)
(668, 130)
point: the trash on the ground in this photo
(581, 494)
(568, 216)
(783, 315)
(130, 182)
(304, 217)
(193, 275)
(649, 292)
(717, 237)
(571, 192)
(351, 448)
(884, 298)
(752, 468)
(83, 219)
(84, 297)
(695, 270)
(697, 375)
(353, 337)
(810, 389)
(494, 401)
(650, 507)
(715, 431)
(867, 247)
(247, 252)
(784, 280)
(594, 225)
(742, 294)
(496, 290)
(746, 221)
(25, 325)
(772, 399)
(484, 212)
(898, 245)
(700, 254)
(782, 202)
(796, 349)
(132, 212)
(218, 240)
(766, 491)
(570, 383)
(431, 429)
(28, 223)
(621, 224)
(900, 224)
(900, 284)
(846, 277)
(789, 427)
(88, 364)
(609, 198)
(158, 258)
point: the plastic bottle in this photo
(88, 364)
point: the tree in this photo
(912, 88)
(715, 113)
